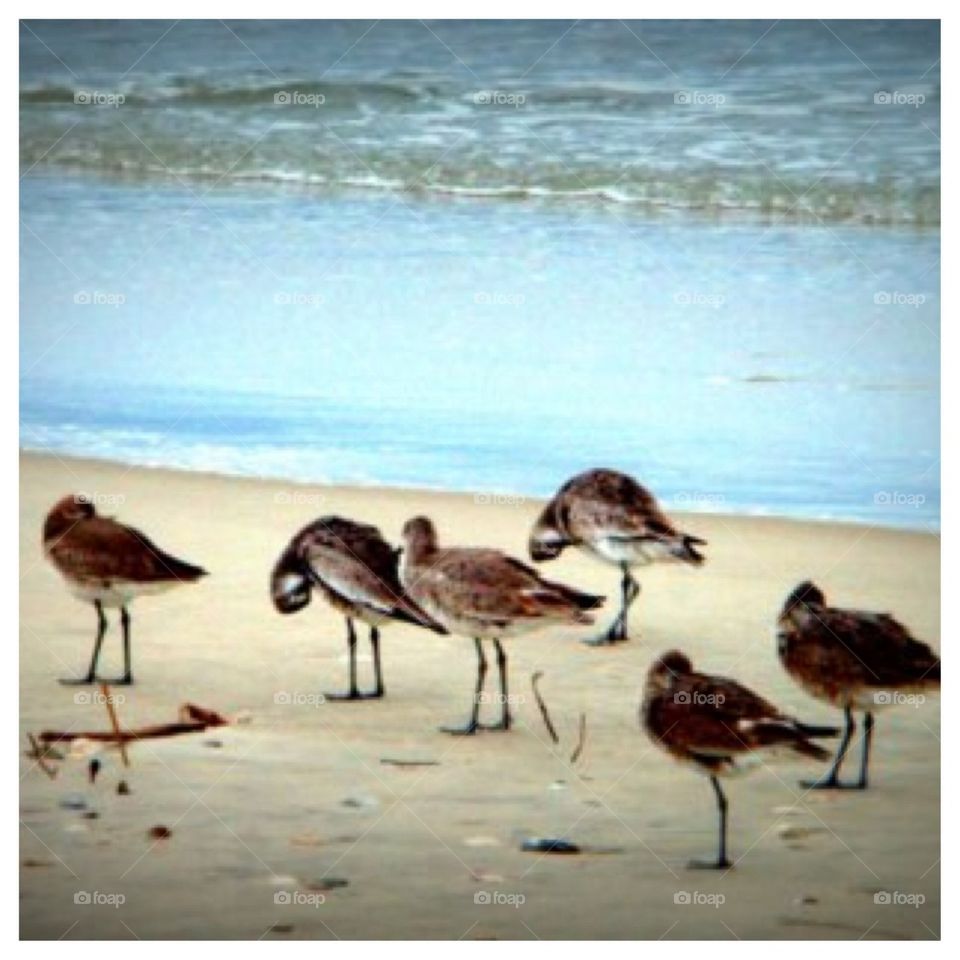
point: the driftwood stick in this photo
(548, 723)
(115, 723)
(199, 718)
(578, 750)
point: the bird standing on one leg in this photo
(614, 519)
(108, 564)
(853, 660)
(719, 727)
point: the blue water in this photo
(768, 355)
(805, 121)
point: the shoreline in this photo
(596, 202)
(497, 497)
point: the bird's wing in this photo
(875, 645)
(485, 584)
(717, 716)
(351, 576)
(102, 549)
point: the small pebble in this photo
(549, 845)
(787, 831)
(73, 801)
(159, 832)
(307, 840)
(282, 928)
(281, 880)
(215, 744)
(123, 788)
(481, 842)
(327, 883)
(91, 815)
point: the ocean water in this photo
(482, 256)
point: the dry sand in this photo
(263, 811)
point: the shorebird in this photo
(356, 571)
(614, 519)
(853, 660)
(484, 594)
(108, 564)
(720, 727)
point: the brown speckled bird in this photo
(108, 564)
(719, 727)
(853, 660)
(484, 594)
(356, 571)
(615, 520)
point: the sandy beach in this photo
(268, 815)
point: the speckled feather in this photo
(713, 720)
(838, 655)
(353, 566)
(481, 591)
(94, 550)
(600, 505)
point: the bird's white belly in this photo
(633, 553)
(117, 593)
(467, 626)
(371, 617)
(746, 762)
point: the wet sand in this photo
(265, 814)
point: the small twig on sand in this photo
(40, 755)
(575, 756)
(115, 723)
(548, 723)
(394, 762)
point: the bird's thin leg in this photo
(617, 632)
(721, 863)
(832, 780)
(377, 675)
(865, 756)
(505, 718)
(127, 660)
(353, 693)
(473, 725)
(352, 645)
(630, 590)
(618, 629)
(101, 630)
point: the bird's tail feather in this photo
(814, 730)
(408, 612)
(684, 549)
(810, 749)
